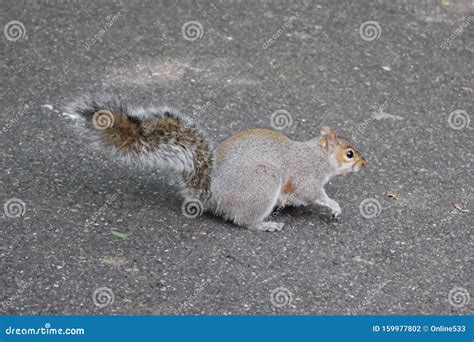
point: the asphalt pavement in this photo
(84, 234)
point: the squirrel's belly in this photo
(289, 196)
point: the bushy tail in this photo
(149, 136)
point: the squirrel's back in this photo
(249, 140)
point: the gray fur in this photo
(247, 197)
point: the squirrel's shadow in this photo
(309, 213)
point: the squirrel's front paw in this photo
(336, 210)
(335, 216)
(331, 204)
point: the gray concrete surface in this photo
(393, 95)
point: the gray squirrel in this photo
(244, 179)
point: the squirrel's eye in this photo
(350, 154)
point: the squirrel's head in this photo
(341, 152)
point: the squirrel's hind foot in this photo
(268, 226)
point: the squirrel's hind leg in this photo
(251, 197)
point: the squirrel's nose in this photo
(363, 162)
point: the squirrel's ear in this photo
(328, 137)
(323, 141)
(331, 138)
(324, 130)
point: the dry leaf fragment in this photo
(461, 208)
(467, 89)
(392, 195)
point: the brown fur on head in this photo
(346, 156)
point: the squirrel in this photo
(244, 179)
